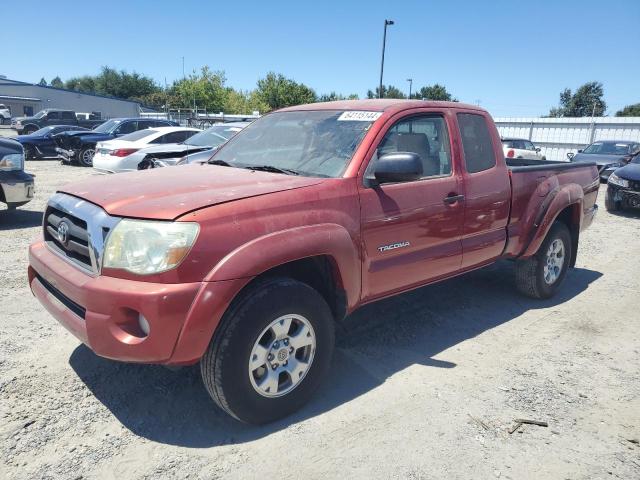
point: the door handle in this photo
(453, 199)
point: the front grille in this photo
(75, 244)
(76, 230)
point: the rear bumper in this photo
(103, 312)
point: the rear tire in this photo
(247, 350)
(541, 275)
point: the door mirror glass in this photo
(570, 155)
(398, 167)
(537, 149)
(580, 151)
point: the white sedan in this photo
(521, 148)
(111, 155)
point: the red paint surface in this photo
(253, 221)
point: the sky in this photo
(511, 57)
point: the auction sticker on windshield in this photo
(359, 116)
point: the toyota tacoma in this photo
(244, 264)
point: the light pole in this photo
(410, 80)
(384, 41)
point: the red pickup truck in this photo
(245, 263)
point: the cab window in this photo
(476, 142)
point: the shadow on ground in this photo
(18, 218)
(173, 407)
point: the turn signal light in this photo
(511, 153)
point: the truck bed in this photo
(534, 186)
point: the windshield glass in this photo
(140, 134)
(213, 137)
(313, 143)
(40, 114)
(42, 132)
(107, 127)
(608, 148)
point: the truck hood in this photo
(168, 193)
(630, 172)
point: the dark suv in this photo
(80, 146)
(51, 116)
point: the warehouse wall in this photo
(56, 98)
(558, 136)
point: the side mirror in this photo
(538, 149)
(398, 167)
(580, 151)
(570, 155)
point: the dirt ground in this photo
(424, 386)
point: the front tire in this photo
(541, 275)
(270, 352)
(85, 156)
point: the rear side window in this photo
(476, 142)
(53, 116)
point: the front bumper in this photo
(102, 312)
(67, 155)
(18, 187)
(628, 197)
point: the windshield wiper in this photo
(222, 163)
(272, 169)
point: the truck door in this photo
(487, 191)
(411, 230)
(52, 118)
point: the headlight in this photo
(13, 161)
(146, 247)
(616, 180)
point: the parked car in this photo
(168, 155)
(113, 155)
(52, 116)
(245, 263)
(41, 143)
(16, 186)
(198, 157)
(80, 146)
(521, 148)
(607, 154)
(623, 186)
(5, 114)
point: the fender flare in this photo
(275, 249)
(571, 195)
(234, 272)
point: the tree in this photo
(434, 92)
(277, 91)
(206, 90)
(85, 83)
(57, 82)
(586, 101)
(629, 111)
(333, 96)
(388, 91)
(42, 82)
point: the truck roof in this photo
(379, 105)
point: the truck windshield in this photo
(40, 114)
(312, 143)
(107, 126)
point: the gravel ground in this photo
(425, 385)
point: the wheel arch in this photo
(566, 206)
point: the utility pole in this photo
(183, 77)
(384, 42)
(410, 80)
